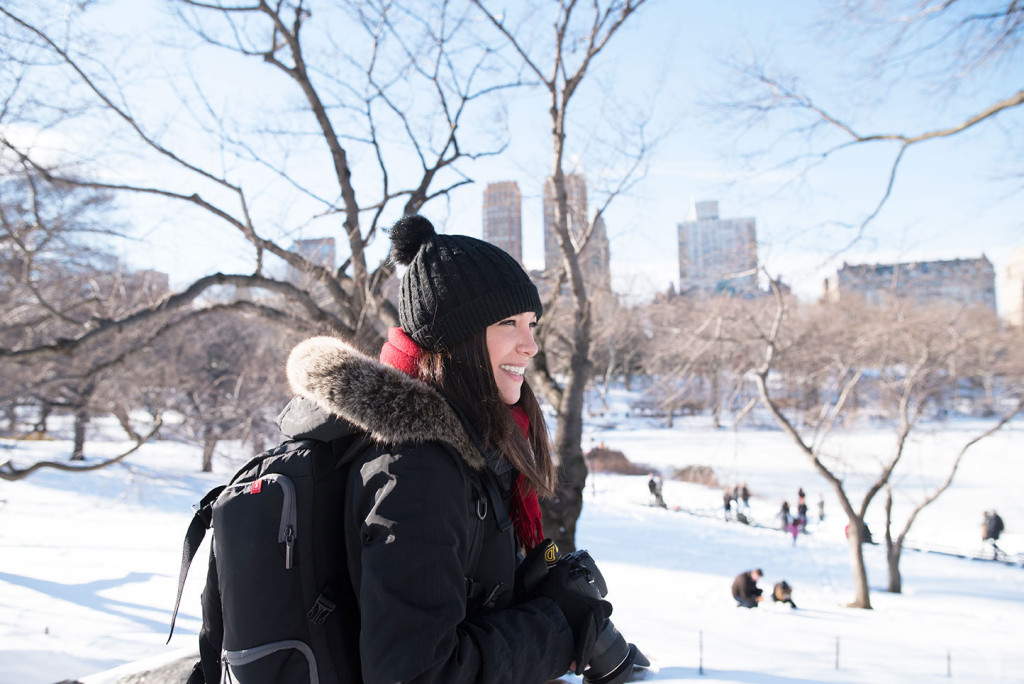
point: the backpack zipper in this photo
(286, 531)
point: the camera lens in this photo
(613, 658)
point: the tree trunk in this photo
(716, 398)
(563, 510)
(121, 413)
(893, 553)
(81, 422)
(608, 375)
(209, 444)
(44, 416)
(893, 549)
(860, 574)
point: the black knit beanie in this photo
(455, 285)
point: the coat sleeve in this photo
(411, 512)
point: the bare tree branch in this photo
(11, 473)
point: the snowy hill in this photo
(90, 560)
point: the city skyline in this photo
(718, 255)
(957, 197)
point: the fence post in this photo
(700, 666)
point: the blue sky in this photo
(953, 198)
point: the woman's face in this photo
(510, 346)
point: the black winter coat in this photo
(745, 587)
(434, 586)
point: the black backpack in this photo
(278, 568)
(292, 609)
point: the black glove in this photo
(534, 568)
(586, 613)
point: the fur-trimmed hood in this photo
(390, 406)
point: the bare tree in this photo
(941, 48)
(619, 342)
(701, 351)
(57, 280)
(892, 363)
(395, 92)
(560, 68)
(974, 348)
(225, 369)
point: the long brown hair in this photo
(464, 375)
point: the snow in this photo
(90, 560)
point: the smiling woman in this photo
(440, 503)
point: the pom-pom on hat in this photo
(455, 285)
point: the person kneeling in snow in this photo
(783, 593)
(744, 589)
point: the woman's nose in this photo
(527, 345)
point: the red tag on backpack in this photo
(257, 486)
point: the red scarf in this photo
(401, 352)
(526, 515)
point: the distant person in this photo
(821, 508)
(745, 590)
(801, 497)
(993, 526)
(784, 517)
(801, 515)
(654, 485)
(745, 497)
(726, 503)
(783, 593)
(794, 528)
(990, 531)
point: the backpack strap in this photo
(490, 482)
(488, 476)
(477, 593)
(500, 512)
(193, 538)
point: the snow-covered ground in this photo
(90, 560)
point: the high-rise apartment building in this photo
(1013, 289)
(595, 259)
(969, 282)
(503, 217)
(716, 255)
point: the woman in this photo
(457, 447)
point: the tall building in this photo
(503, 217)
(964, 281)
(1013, 289)
(595, 259)
(717, 255)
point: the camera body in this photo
(613, 659)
